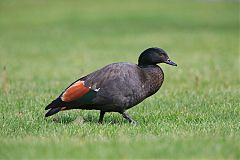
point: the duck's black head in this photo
(153, 56)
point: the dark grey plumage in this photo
(123, 85)
(118, 86)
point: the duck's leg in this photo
(126, 116)
(101, 116)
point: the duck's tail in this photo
(55, 107)
(53, 111)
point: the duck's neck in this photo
(154, 77)
(148, 65)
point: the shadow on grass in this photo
(64, 119)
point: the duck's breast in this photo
(155, 78)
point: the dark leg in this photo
(126, 116)
(101, 116)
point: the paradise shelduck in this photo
(116, 87)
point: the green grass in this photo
(45, 45)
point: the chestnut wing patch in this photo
(75, 91)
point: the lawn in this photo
(46, 45)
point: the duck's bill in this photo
(170, 62)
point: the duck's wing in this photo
(76, 94)
(78, 91)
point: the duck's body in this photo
(114, 88)
(122, 86)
